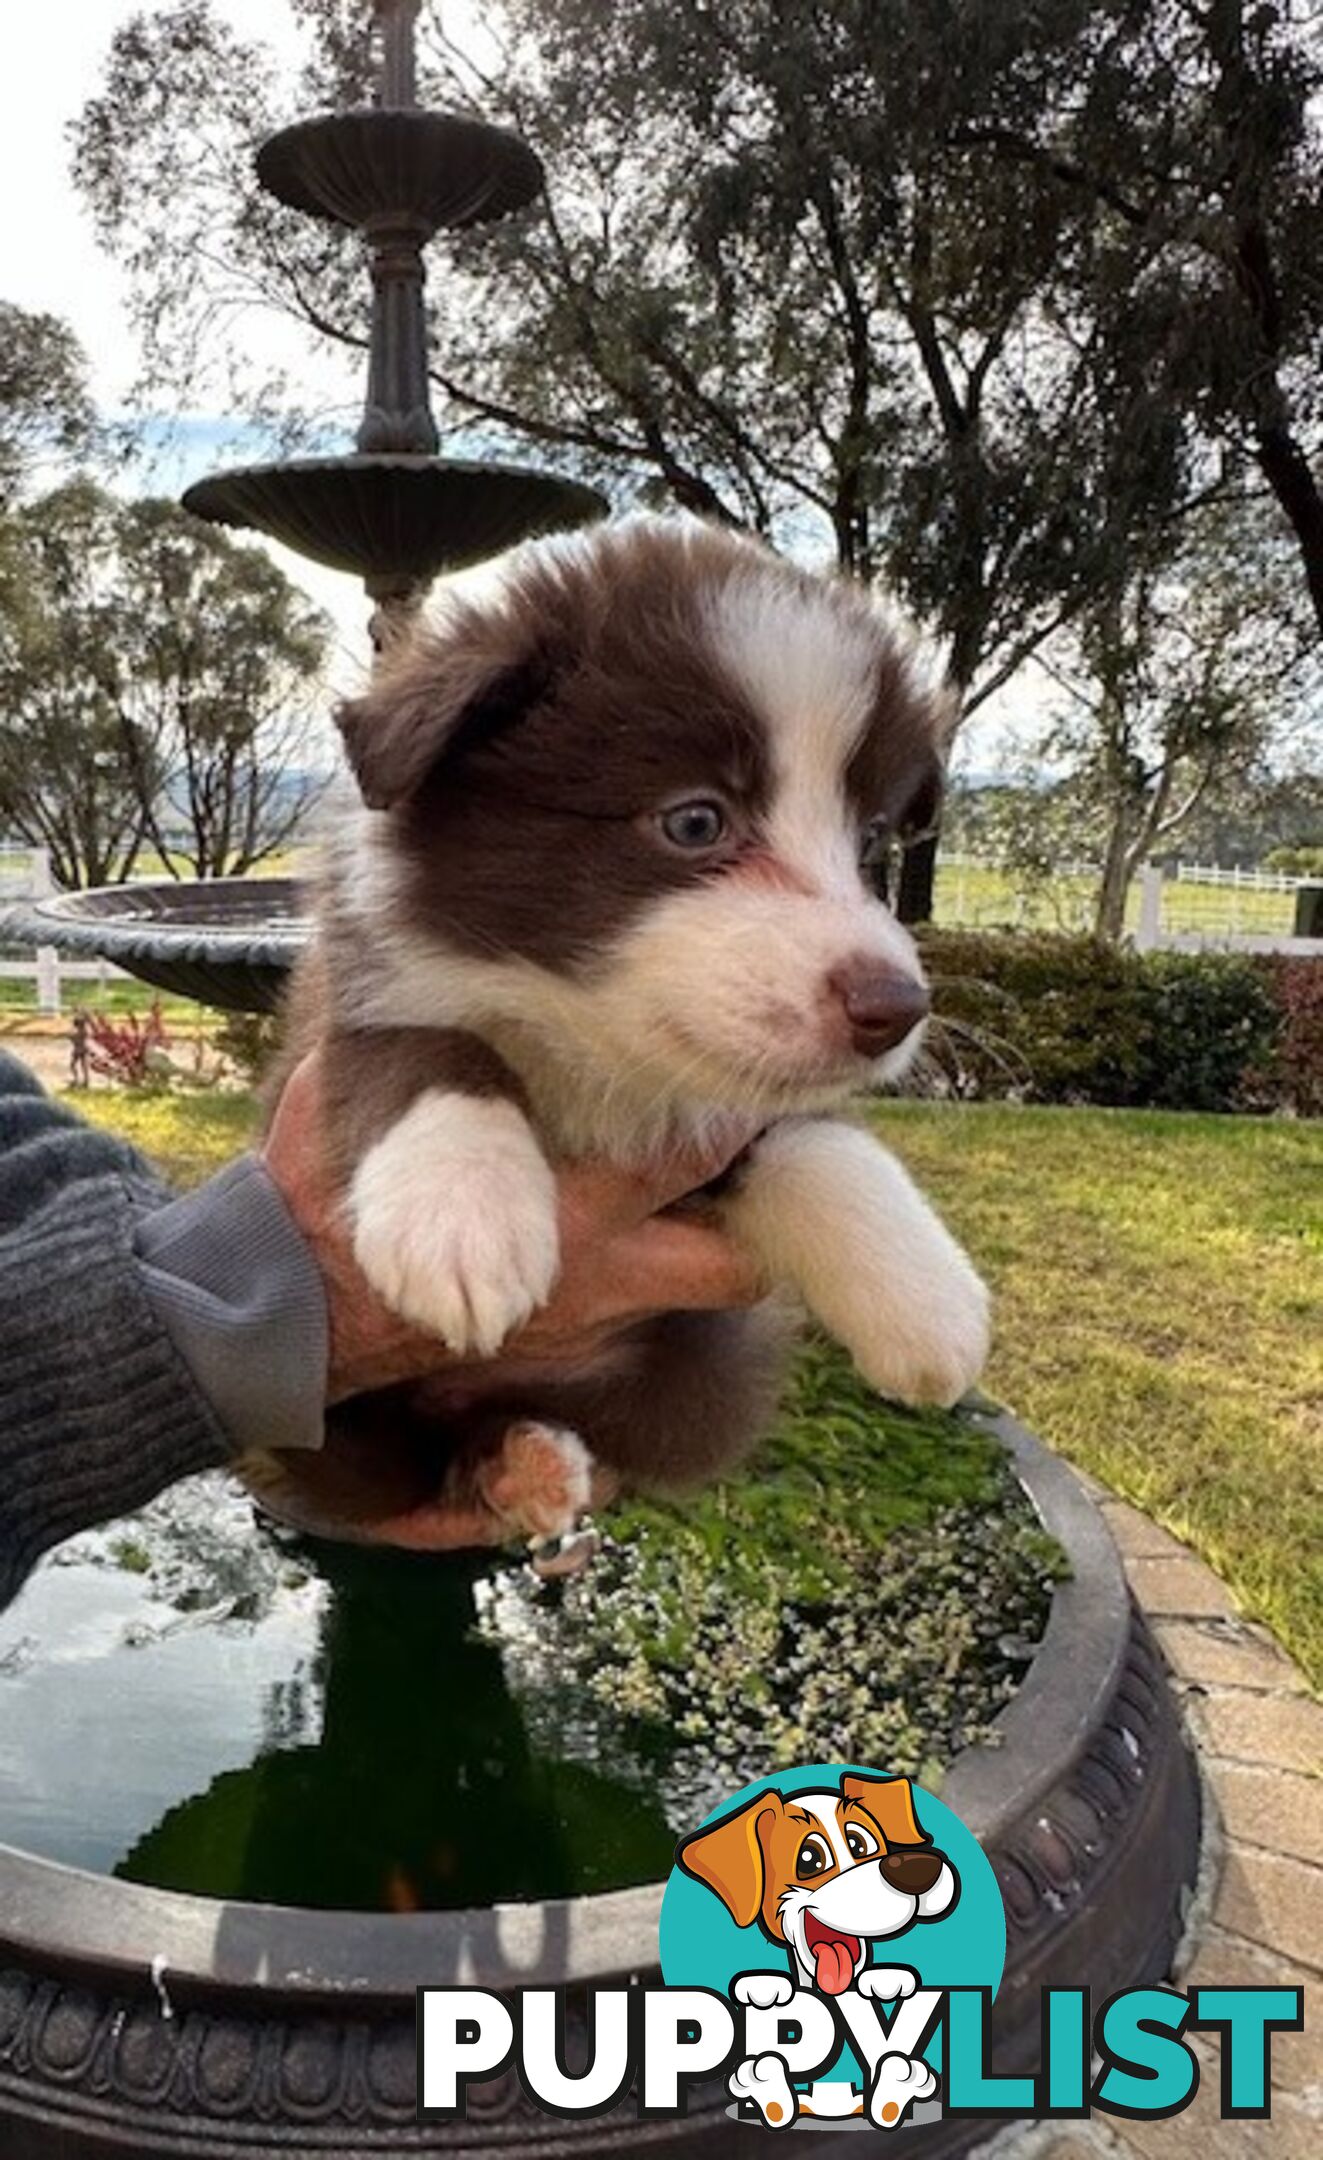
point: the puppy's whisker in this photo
(1003, 1053)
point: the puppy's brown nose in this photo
(912, 1872)
(881, 1005)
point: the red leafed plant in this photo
(1299, 1060)
(125, 1050)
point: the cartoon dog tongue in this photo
(833, 1956)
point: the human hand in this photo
(622, 1257)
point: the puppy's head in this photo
(641, 781)
(826, 1872)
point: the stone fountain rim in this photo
(70, 921)
(198, 1948)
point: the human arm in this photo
(98, 1410)
(144, 1337)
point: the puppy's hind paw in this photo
(897, 2083)
(540, 1482)
(557, 1559)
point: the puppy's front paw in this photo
(823, 1207)
(454, 1220)
(540, 1482)
(922, 1335)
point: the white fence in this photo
(1239, 880)
(1192, 907)
(25, 874)
(1151, 935)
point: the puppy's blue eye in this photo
(694, 825)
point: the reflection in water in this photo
(199, 1704)
(422, 1792)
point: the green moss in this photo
(842, 1468)
(132, 1556)
(868, 1590)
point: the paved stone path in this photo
(1258, 1733)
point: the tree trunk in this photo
(918, 877)
(1109, 919)
(1286, 469)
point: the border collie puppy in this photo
(611, 887)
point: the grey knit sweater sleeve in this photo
(142, 1338)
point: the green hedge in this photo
(1047, 1018)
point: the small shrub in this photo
(1039, 1017)
(1209, 1019)
(1296, 1066)
(1301, 862)
(248, 1042)
(1055, 1019)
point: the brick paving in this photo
(1258, 1733)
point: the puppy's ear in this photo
(890, 1802)
(728, 1857)
(471, 676)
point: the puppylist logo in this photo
(831, 1944)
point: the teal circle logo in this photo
(834, 1878)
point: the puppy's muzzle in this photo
(881, 1005)
(912, 1872)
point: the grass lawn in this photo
(1159, 1281)
(186, 1135)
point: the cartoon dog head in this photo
(825, 1872)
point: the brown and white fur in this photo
(523, 958)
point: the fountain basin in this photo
(394, 519)
(367, 166)
(229, 942)
(292, 2030)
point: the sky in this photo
(50, 260)
(54, 55)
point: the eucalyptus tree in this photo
(157, 688)
(46, 411)
(1193, 141)
(1187, 681)
(65, 780)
